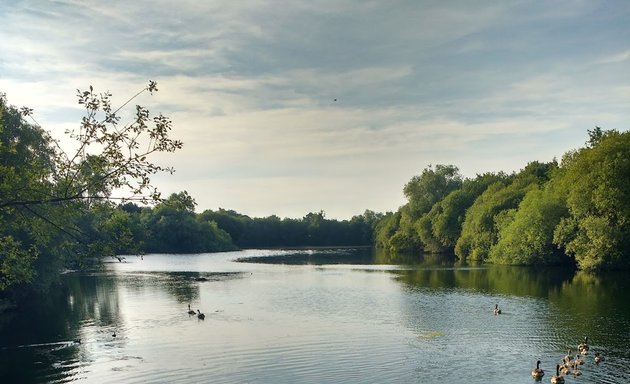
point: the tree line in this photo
(573, 212)
(172, 226)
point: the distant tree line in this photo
(575, 212)
(172, 226)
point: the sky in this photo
(291, 107)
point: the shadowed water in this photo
(315, 316)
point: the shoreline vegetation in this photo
(573, 212)
(57, 210)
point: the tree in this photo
(595, 136)
(423, 192)
(109, 156)
(228, 220)
(596, 183)
(26, 161)
(525, 235)
(175, 228)
(405, 238)
(385, 229)
(479, 230)
(448, 215)
(44, 191)
(430, 187)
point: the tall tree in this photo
(45, 190)
(26, 162)
(430, 187)
(596, 181)
(422, 192)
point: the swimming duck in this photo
(565, 367)
(557, 379)
(578, 361)
(583, 346)
(497, 310)
(200, 315)
(598, 358)
(537, 373)
(568, 358)
(190, 311)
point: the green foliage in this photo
(26, 161)
(314, 229)
(545, 214)
(479, 230)
(385, 229)
(53, 205)
(230, 221)
(427, 189)
(111, 231)
(525, 234)
(405, 238)
(16, 262)
(181, 201)
(424, 231)
(444, 222)
(596, 184)
(411, 232)
(173, 227)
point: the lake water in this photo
(320, 316)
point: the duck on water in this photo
(537, 372)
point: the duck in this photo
(598, 358)
(200, 315)
(565, 367)
(537, 373)
(114, 334)
(190, 311)
(497, 310)
(568, 358)
(578, 361)
(583, 346)
(557, 379)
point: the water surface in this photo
(315, 316)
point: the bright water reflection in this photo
(319, 317)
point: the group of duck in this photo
(200, 315)
(568, 365)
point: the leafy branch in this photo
(110, 155)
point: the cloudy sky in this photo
(290, 107)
